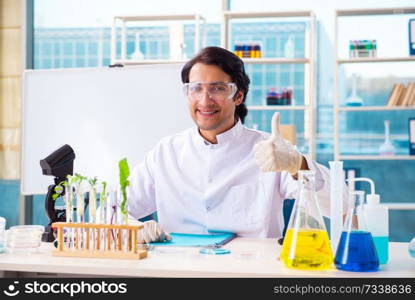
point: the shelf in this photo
(374, 12)
(399, 205)
(375, 59)
(122, 58)
(276, 60)
(339, 104)
(159, 17)
(269, 14)
(376, 157)
(375, 108)
(277, 107)
(149, 61)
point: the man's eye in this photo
(218, 88)
(196, 88)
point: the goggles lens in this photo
(219, 91)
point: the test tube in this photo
(114, 218)
(69, 214)
(80, 204)
(336, 202)
(103, 215)
(92, 213)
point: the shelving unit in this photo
(375, 108)
(197, 18)
(337, 107)
(309, 106)
(273, 108)
(376, 157)
(374, 59)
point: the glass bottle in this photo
(356, 251)
(306, 244)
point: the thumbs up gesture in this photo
(277, 154)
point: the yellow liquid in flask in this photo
(307, 249)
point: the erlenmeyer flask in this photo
(356, 251)
(306, 244)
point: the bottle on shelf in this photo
(272, 97)
(412, 37)
(137, 54)
(387, 148)
(289, 48)
(276, 97)
(354, 99)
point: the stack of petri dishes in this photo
(24, 238)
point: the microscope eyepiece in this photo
(59, 163)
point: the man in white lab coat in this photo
(219, 176)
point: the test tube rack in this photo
(98, 240)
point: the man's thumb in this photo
(275, 126)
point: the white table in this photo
(249, 258)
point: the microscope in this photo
(60, 165)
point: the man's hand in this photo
(276, 154)
(152, 232)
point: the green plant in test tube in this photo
(124, 183)
(80, 203)
(92, 199)
(69, 197)
(103, 203)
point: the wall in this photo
(10, 80)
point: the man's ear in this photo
(239, 98)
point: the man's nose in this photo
(205, 97)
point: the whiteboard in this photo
(104, 114)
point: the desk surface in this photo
(249, 258)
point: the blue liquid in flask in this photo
(356, 252)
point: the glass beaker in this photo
(356, 250)
(306, 244)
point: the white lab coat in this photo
(197, 187)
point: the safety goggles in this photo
(218, 91)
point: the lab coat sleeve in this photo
(141, 191)
(289, 187)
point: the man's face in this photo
(212, 115)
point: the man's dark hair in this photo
(228, 63)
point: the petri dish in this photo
(24, 238)
(24, 228)
(215, 251)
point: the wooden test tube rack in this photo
(111, 246)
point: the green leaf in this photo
(124, 174)
(103, 196)
(93, 181)
(58, 190)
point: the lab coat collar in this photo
(223, 138)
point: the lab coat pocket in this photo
(248, 203)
